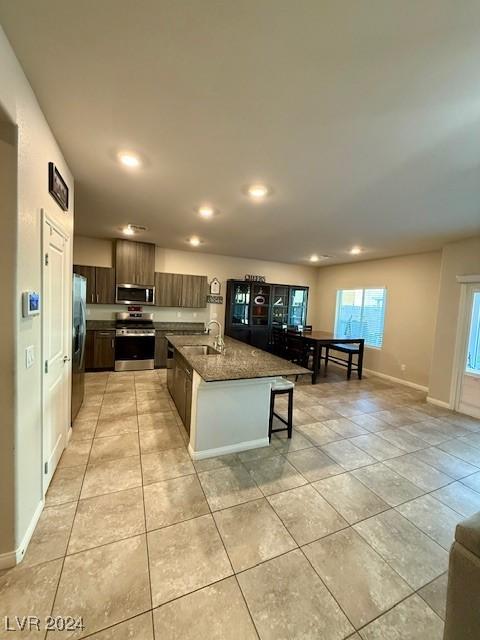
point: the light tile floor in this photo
(341, 532)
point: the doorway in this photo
(56, 345)
(468, 387)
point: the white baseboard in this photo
(438, 403)
(406, 383)
(12, 558)
(469, 410)
(8, 560)
(232, 448)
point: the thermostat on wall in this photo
(30, 303)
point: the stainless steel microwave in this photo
(134, 294)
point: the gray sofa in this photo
(462, 620)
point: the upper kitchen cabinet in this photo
(135, 263)
(89, 274)
(168, 289)
(100, 283)
(104, 285)
(178, 290)
(194, 292)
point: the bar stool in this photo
(280, 387)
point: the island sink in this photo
(223, 403)
(200, 350)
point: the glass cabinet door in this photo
(241, 304)
(279, 305)
(297, 310)
(260, 304)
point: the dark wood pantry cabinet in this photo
(253, 308)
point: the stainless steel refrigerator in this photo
(78, 346)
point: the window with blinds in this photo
(473, 347)
(360, 313)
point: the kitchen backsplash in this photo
(160, 314)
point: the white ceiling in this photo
(363, 117)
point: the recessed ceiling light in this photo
(206, 211)
(319, 258)
(258, 191)
(132, 229)
(129, 160)
(194, 241)
(355, 251)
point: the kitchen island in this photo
(223, 398)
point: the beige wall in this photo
(458, 258)
(36, 147)
(412, 291)
(89, 251)
(92, 252)
(8, 208)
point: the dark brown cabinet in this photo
(179, 290)
(89, 350)
(89, 274)
(161, 344)
(168, 289)
(104, 285)
(160, 349)
(194, 292)
(135, 263)
(100, 350)
(253, 308)
(100, 283)
(145, 263)
(104, 350)
(180, 387)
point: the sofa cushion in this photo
(467, 533)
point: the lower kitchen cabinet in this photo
(180, 388)
(89, 350)
(161, 344)
(160, 349)
(100, 350)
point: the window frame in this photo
(363, 289)
(472, 332)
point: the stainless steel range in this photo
(134, 341)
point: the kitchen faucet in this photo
(219, 343)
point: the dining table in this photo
(320, 339)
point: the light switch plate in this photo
(29, 356)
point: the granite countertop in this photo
(240, 361)
(99, 325)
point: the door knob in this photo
(66, 359)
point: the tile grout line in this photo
(72, 525)
(144, 510)
(279, 453)
(226, 553)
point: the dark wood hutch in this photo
(252, 309)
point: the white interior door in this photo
(469, 396)
(56, 378)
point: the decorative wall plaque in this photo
(253, 278)
(215, 287)
(57, 186)
(214, 299)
